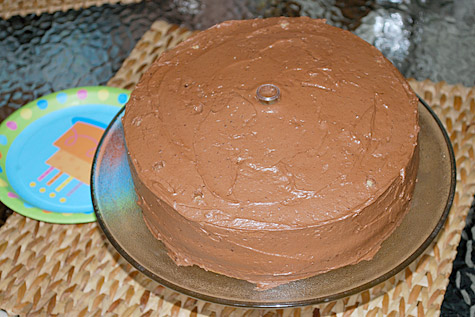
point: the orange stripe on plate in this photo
(51, 181)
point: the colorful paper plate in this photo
(46, 152)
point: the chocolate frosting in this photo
(272, 193)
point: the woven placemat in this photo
(9, 8)
(49, 269)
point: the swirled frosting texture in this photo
(272, 193)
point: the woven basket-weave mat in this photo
(9, 8)
(50, 269)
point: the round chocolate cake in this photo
(273, 183)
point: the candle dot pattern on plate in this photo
(12, 195)
(42, 104)
(103, 94)
(12, 125)
(26, 114)
(82, 94)
(122, 98)
(62, 97)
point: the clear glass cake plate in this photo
(121, 220)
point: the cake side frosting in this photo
(313, 182)
(270, 258)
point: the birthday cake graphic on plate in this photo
(76, 148)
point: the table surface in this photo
(425, 39)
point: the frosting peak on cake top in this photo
(211, 150)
